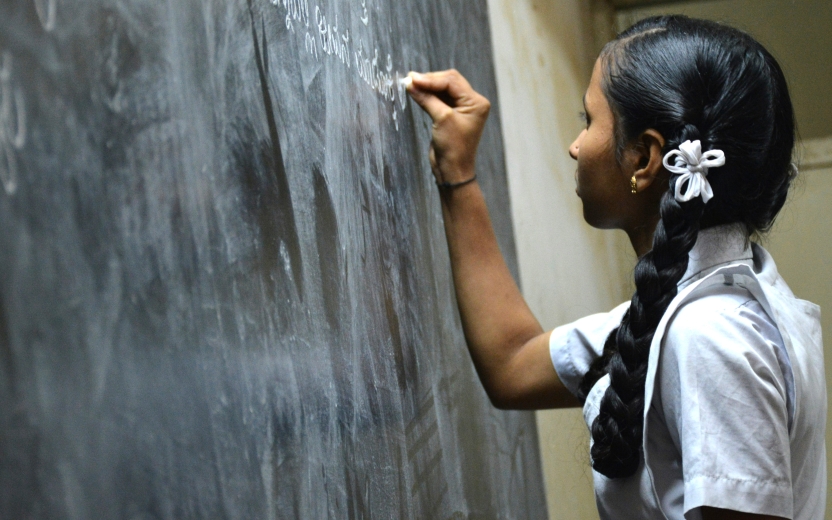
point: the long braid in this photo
(689, 80)
(671, 243)
(617, 431)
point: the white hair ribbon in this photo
(693, 166)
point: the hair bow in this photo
(693, 166)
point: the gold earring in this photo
(633, 185)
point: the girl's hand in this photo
(459, 114)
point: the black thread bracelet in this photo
(451, 185)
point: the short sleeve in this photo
(573, 347)
(724, 399)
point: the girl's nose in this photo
(575, 146)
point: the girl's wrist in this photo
(459, 201)
(454, 175)
(446, 185)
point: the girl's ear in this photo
(646, 161)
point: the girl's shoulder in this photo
(719, 320)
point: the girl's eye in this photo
(584, 117)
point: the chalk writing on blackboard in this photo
(12, 124)
(310, 45)
(46, 10)
(296, 11)
(323, 36)
(331, 44)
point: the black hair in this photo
(688, 79)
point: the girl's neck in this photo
(641, 237)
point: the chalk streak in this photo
(422, 476)
(284, 212)
(47, 13)
(422, 440)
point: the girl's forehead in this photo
(594, 95)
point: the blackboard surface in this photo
(224, 286)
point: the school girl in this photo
(705, 394)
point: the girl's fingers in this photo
(435, 107)
(449, 82)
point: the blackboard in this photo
(224, 285)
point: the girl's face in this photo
(602, 184)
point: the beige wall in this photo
(544, 55)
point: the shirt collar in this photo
(717, 247)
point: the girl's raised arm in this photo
(508, 346)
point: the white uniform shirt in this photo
(735, 399)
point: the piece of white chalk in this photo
(406, 82)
